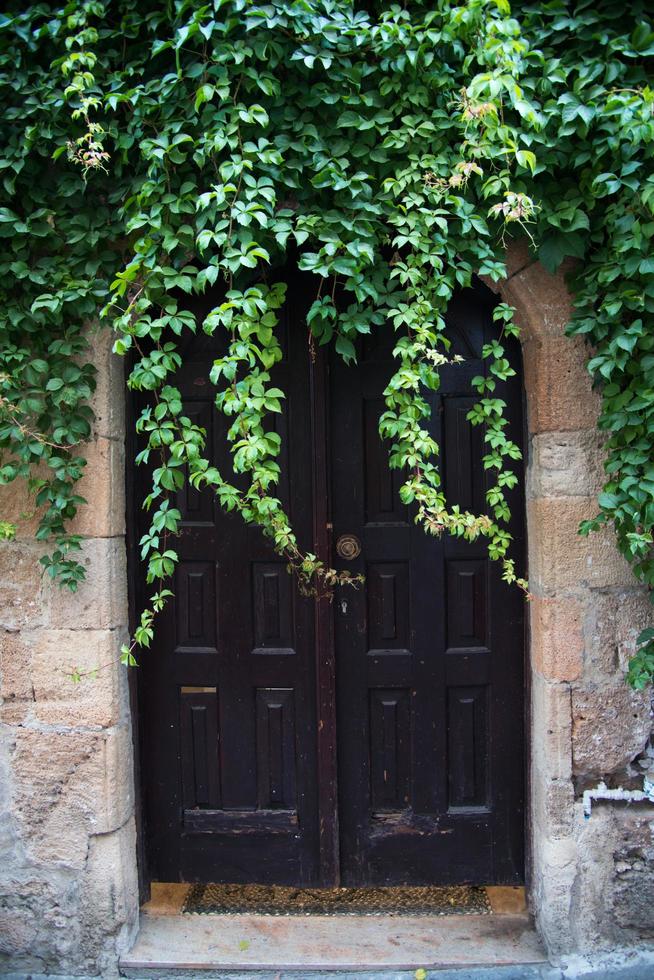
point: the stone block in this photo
(10, 850)
(542, 300)
(66, 787)
(108, 401)
(49, 900)
(559, 807)
(551, 724)
(103, 480)
(18, 507)
(560, 559)
(58, 699)
(6, 748)
(559, 393)
(115, 803)
(610, 727)
(110, 884)
(633, 867)
(103, 487)
(101, 600)
(553, 805)
(565, 464)
(22, 593)
(590, 916)
(556, 637)
(56, 778)
(16, 666)
(15, 712)
(518, 257)
(16, 691)
(557, 855)
(18, 930)
(553, 876)
(612, 622)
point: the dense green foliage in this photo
(152, 150)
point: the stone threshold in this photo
(171, 944)
(524, 971)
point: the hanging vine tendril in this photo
(153, 151)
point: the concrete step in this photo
(521, 971)
(277, 947)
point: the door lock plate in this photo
(348, 547)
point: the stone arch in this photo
(66, 755)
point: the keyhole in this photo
(343, 606)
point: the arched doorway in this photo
(373, 739)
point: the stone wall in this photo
(68, 891)
(591, 880)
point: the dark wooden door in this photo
(228, 690)
(247, 744)
(429, 653)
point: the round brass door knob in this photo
(348, 547)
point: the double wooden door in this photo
(376, 738)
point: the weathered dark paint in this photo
(373, 739)
(429, 654)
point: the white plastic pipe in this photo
(602, 792)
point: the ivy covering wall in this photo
(156, 150)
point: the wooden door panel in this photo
(273, 609)
(276, 749)
(468, 737)
(200, 762)
(390, 748)
(429, 652)
(381, 484)
(228, 690)
(388, 593)
(198, 508)
(197, 607)
(463, 445)
(466, 603)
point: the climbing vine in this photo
(156, 150)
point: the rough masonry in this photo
(589, 878)
(68, 886)
(68, 881)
